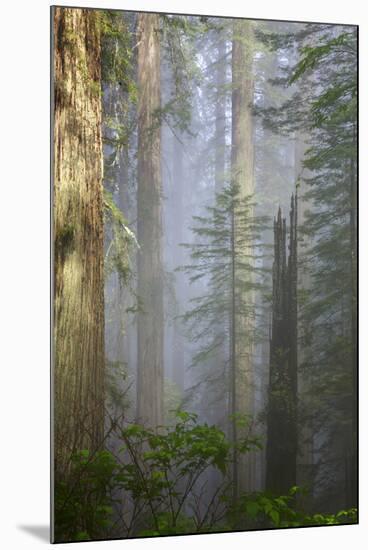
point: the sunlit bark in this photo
(78, 236)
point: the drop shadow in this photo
(41, 532)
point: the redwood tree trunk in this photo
(220, 114)
(150, 273)
(78, 236)
(242, 175)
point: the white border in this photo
(24, 271)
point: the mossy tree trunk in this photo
(242, 175)
(150, 272)
(78, 236)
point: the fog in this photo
(196, 163)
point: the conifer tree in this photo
(331, 226)
(216, 318)
(323, 105)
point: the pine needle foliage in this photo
(323, 105)
(330, 227)
(226, 266)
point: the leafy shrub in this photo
(157, 484)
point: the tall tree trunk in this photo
(219, 183)
(233, 378)
(178, 367)
(281, 452)
(220, 118)
(306, 452)
(78, 236)
(150, 273)
(242, 175)
(352, 495)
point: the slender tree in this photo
(150, 273)
(178, 228)
(216, 316)
(78, 236)
(306, 447)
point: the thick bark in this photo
(78, 236)
(242, 176)
(150, 273)
(281, 452)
